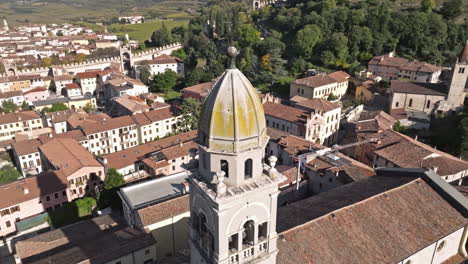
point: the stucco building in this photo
(321, 86)
(12, 123)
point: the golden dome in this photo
(232, 117)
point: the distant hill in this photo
(59, 11)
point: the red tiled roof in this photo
(418, 88)
(165, 210)
(107, 124)
(344, 224)
(36, 90)
(18, 117)
(319, 104)
(72, 86)
(285, 112)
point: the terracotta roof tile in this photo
(107, 124)
(165, 210)
(285, 112)
(319, 104)
(18, 117)
(418, 88)
(344, 224)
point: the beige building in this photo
(391, 67)
(156, 123)
(321, 86)
(12, 123)
(110, 135)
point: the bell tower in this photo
(233, 197)
(456, 93)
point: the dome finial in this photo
(232, 52)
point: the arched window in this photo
(410, 103)
(225, 168)
(396, 105)
(248, 169)
(428, 104)
(248, 234)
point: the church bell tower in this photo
(456, 93)
(233, 197)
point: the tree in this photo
(145, 72)
(464, 138)
(113, 179)
(25, 106)
(190, 110)
(8, 173)
(9, 107)
(427, 5)
(452, 9)
(161, 37)
(248, 35)
(332, 97)
(164, 82)
(88, 108)
(306, 39)
(179, 53)
(55, 108)
(112, 183)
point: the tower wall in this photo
(456, 94)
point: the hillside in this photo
(59, 11)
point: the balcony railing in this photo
(248, 253)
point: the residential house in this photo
(156, 123)
(27, 158)
(131, 162)
(391, 67)
(69, 172)
(36, 94)
(123, 86)
(162, 63)
(88, 81)
(16, 97)
(60, 82)
(331, 113)
(128, 105)
(321, 86)
(12, 123)
(110, 135)
(72, 89)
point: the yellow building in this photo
(73, 103)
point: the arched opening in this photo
(248, 169)
(410, 103)
(257, 5)
(126, 61)
(225, 167)
(11, 72)
(248, 234)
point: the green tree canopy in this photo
(8, 173)
(190, 110)
(248, 35)
(145, 72)
(180, 53)
(55, 108)
(9, 107)
(306, 39)
(161, 37)
(452, 9)
(113, 179)
(164, 82)
(427, 5)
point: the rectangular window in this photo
(47, 198)
(4, 212)
(263, 231)
(56, 195)
(8, 224)
(233, 242)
